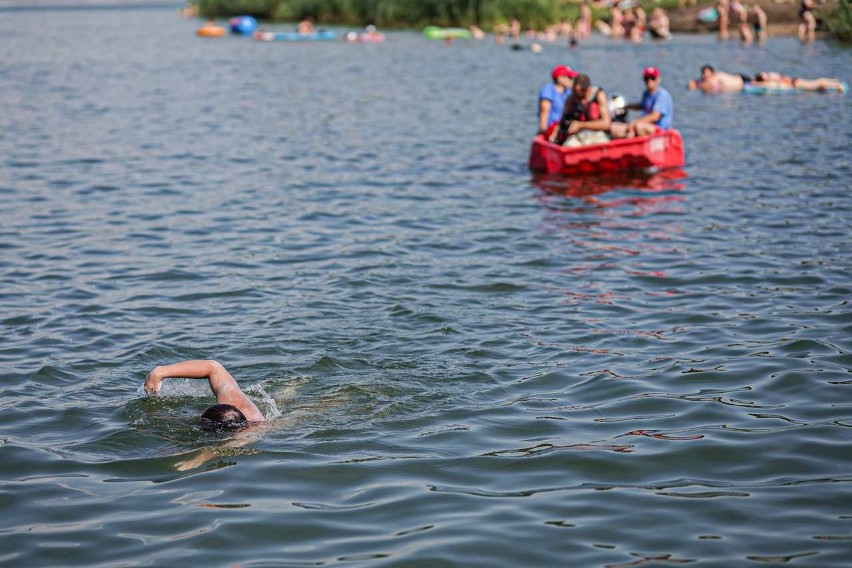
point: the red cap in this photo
(650, 72)
(563, 71)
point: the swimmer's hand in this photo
(153, 382)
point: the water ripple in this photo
(460, 363)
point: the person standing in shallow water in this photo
(807, 21)
(233, 408)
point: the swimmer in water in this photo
(779, 81)
(306, 26)
(713, 81)
(233, 409)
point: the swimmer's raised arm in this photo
(222, 384)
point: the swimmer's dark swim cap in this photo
(223, 416)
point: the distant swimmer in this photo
(713, 81)
(306, 26)
(779, 81)
(233, 409)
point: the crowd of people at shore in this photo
(629, 21)
(626, 19)
(750, 21)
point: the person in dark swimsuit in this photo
(807, 22)
(760, 23)
(778, 81)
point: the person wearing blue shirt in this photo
(657, 109)
(552, 96)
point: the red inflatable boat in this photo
(645, 153)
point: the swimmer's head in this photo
(707, 70)
(223, 416)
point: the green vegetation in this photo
(397, 13)
(838, 20)
(837, 16)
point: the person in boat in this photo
(585, 119)
(233, 409)
(713, 81)
(306, 26)
(552, 96)
(657, 109)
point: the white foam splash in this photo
(267, 403)
(178, 387)
(272, 411)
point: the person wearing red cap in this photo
(656, 105)
(551, 96)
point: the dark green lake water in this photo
(462, 365)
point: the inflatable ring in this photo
(210, 31)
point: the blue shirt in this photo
(661, 102)
(557, 101)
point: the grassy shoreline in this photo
(838, 20)
(411, 14)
